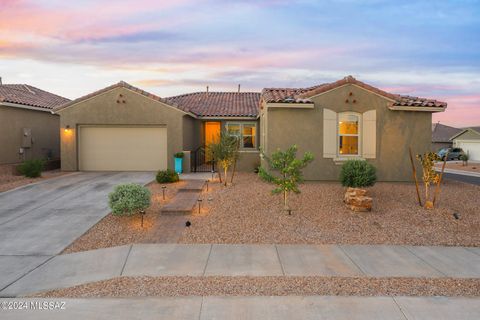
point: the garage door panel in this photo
(122, 148)
(473, 149)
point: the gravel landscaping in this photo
(9, 181)
(268, 286)
(114, 231)
(246, 212)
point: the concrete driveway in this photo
(44, 218)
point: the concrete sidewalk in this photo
(265, 308)
(238, 260)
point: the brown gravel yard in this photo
(116, 231)
(247, 213)
(268, 286)
(9, 181)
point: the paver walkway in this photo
(186, 198)
(241, 260)
(265, 308)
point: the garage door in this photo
(122, 148)
(472, 147)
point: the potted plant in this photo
(178, 162)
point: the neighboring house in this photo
(469, 140)
(28, 128)
(125, 128)
(441, 135)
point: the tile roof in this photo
(121, 84)
(219, 104)
(302, 95)
(27, 95)
(443, 133)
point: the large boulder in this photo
(357, 200)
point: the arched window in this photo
(349, 134)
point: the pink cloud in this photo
(462, 111)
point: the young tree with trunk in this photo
(429, 175)
(224, 152)
(289, 170)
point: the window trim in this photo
(241, 124)
(359, 135)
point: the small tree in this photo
(464, 157)
(429, 175)
(224, 151)
(289, 168)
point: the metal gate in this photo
(200, 163)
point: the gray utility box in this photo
(26, 138)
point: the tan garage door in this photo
(122, 148)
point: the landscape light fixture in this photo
(163, 191)
(199, 204)
(207, 184)
(213, 172)
(142, 213)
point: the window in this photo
(348, 134)
(246, 132)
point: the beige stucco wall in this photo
(396, 131)
(45, 133)
(103, 109)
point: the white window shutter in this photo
(329, 134)
(369, 134)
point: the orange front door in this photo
(212, 134)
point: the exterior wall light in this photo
(67, 128)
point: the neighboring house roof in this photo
(121, 84)
(475, 130)
(302, 95)
(26, 95)
(219, 104)
(443, 133)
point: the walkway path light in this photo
(199, 204)
(213, 173)
(207, 184)
(163, 191)
(142, 213)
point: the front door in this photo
(212, 134)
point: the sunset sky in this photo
(422, 48)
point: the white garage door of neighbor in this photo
(122, 148)
(473, 149)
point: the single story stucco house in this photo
(441, 135)
(469, 140)
(122, 127)
(28, 128)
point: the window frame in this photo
(358, 135)
(241, 124)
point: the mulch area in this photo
(269, 286)
(9, 181)
(246, 212)
(121, 230)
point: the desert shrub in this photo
(167, 176)
(32, 168)
(179, 155)
(358, 174)
(128, 199)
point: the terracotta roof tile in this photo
(302, 95)
(27, 95)
(219, 104)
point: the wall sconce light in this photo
(67, 128)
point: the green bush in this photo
(358, 174)
(179, 155)
(32, 168)
(167, 176)
(128, 199)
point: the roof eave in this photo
(24, 106)
(418, 109)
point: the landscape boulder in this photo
(357, 200)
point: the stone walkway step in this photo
(200, 260)
(186, 198)
(246, 308)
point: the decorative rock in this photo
(357, 200)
